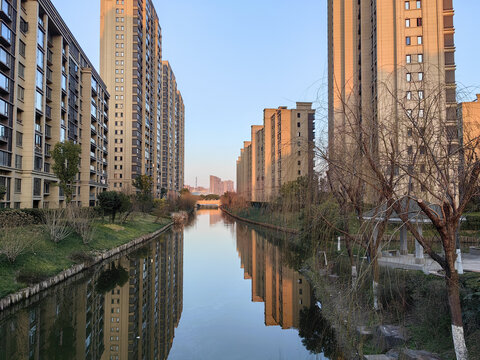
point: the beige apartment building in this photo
(280, 151)
(469, 115)
(147, 112)
(49, 93)
(389, 62)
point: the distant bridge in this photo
(212, 204)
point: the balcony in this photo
(6, 10)
(92, 169)
(92, 141)
(38, 128)
(93, 129)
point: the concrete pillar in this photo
(418, 247)
(403, 241)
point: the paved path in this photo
(409, 262)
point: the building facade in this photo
(147, 112)
(280, 151)
(389, 63)
(49, 93)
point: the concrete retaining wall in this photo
(33, 291)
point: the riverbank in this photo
(254, 217)
(48, 263)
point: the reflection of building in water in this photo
(133, 321)
(141, 316)
(283, 290)
(215, 216)
(66, 325)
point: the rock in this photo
(407, 354)
(387, 337)
(377, 357)
(364, 331)
(393, 354)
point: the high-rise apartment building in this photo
(147, 112)
(469, 116)
(49, 93)
(388, 61)
(280, 151)
(173, 132)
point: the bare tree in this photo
(414, 152)
(56, 224)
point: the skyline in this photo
(209, 43)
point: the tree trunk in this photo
(453, 292)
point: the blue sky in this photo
(232, 59)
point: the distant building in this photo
(280, 151)
(219, 187)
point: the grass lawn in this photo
(46, 258)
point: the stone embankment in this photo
(75, 270)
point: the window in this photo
(419, 21)
(408, 40)
(21, 93)
(409, 113)
(39, 82)
(420, 58)
(407, 23)
(420, 76)
(409, 95)
(409, 132)
(420, 94)
(3, 107)
(407, 5)
(18, 186)
(19, 138)
(21, 70)
(40, 38)
(409, 77)
(4, 82)
(40, 58)
(409, 59)
(420, 113)
(18, 161)
(39, 101)
(4, 57)
(22, 48)
(419, 40)
(6, 33)
(419, 4)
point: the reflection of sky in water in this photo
(219, 320)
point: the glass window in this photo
(40, 37)
(409, 77)
(407, 22)
(420, 76)
(3, 107)
(419, 40)
(420, 58)
(21, 70)
(40, 58)
(63, 134)
(4, 82)
(419, 4)
(409, 95)
(407, 5)
(420, 113)
(409, 59)
(4, 57)
(408, 40)
(64, 82)
(39, 79)
(419, 21)
(6, 8)
(420, 94)
(39, 101)
(18, 185)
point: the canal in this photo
(216, 289)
